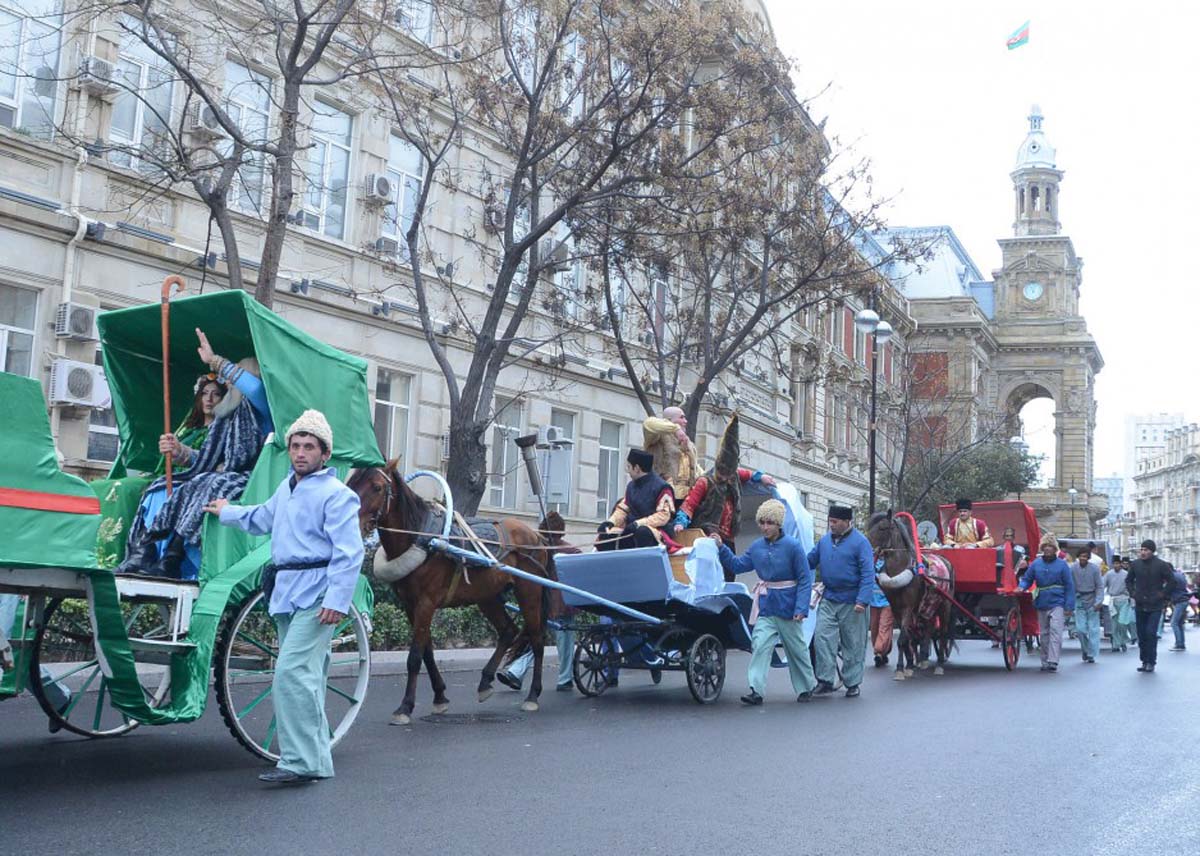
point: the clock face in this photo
(1033, 291)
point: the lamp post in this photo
(1071, 492)
(869, 323)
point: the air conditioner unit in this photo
(98, 77)
(554, 255)
(386, 246)
(75, 321)
(78, 384)
(379, 188)
(493, 218)
(203, 122)
(646, 337)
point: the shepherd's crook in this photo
(176, 280)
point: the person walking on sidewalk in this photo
(1179, 607)
(847, 565)
(781, 600)
(1150, 582)
(1055, 599)
(1089, 598)
(316, 556)
(1120, 607)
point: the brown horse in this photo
(432, 581)
(905, 591)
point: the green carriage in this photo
(104, 653)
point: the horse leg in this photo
(530, 599)
(901, 654)
(506, 631)
(440, 703)
(422, 619)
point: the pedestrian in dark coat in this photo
(1150, 582)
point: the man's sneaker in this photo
(1142, 668)
(564, 688)
(285, 777)
(804, 697)
(509, 680)
(752, 698)
(1053, 667)
(1149, 668)
(851, 692)
(1177, 648)
(824, 688)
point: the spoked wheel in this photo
(706, 669)
(1011, 638)
(591, 664)
(65, 674)
(246, 668)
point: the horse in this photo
(905, 591)
(430, 581)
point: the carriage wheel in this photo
(65, 646)
(591, 665)
(1011, 638)
(246, 668)
(706, 669)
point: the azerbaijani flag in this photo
(1019, 37)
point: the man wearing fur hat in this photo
(966, 530)
(674, 452)
(715, 500)
(847, 564)
(781, 600)
(1055, 599)
(640, 518)
(316, 556)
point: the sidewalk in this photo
(448, 660)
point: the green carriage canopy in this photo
(298, 372)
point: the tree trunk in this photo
(467, 467)
(282, 194)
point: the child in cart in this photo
(781, 600)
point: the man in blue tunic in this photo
(847, 564)
(1055, 599)
(780, 601)
(316, 555)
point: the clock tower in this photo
(1044, 347)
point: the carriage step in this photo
(160, 647)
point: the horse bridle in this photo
(387, 502)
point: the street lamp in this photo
(869, 323)
(1071, 492)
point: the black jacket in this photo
(1150, 583)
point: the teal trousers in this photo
(768, 629)
(298, 692)
(841, 629)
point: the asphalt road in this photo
(1094, 759)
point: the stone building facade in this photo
(1167, 497)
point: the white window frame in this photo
(23, 77)
(136, 52)
(236, 101)
(104, 430)
(317, 219)
(523, 35)
(605, 502)
(564, 508)
(397, 409)
(573, 67)
(415, 18)
(400, 176)
(570, 283)
(504, 485)
(6, 330)
(660, 287)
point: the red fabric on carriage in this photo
(36, 500)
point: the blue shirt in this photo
(847, 567)
(316, 519)
(1056, 583)
(780, 560)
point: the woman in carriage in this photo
(220, 444)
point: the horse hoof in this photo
(484, 695)
(400, 719)
(529, 706)
(899, 676)
(939, 671)
(908, 673)
(441, 708)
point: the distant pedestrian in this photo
(1150, 582)
(847, 564)
(1054, 601)
(882, 626)
(1120, 607)
(1179, 607)
(1089, 598)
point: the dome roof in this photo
(1036, 150)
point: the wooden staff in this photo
(172, 280)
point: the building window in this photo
(658, 305)
(860, 346)
(327, 171)
(248, 103)
(104, 441)
(393, 407)
(562, 480)
(415, 17)
(608, 490)
(405, 169)
(29, 40)
(569, 280)
(18, 320)
(506, 461)
(141, 115)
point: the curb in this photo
(448, 660)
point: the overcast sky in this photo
(928, 92)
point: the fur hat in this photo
(963, 505)
(641, 458)
(233, 397)
(312, 422)
(841, 512)
(1048, 538)
(771, 511)
(728, 452)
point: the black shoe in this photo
(139, 561)
(824, 688)
(804, 697)
(612, 682)
(1149, 668)
(170, 566)
(1053, 667)
(285, 777)
(564, 688)
(509, 680)
(1176, 648)
(880, 660)
(752, 698)
(1124, 648)
(1143, 668)
(851, 692)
